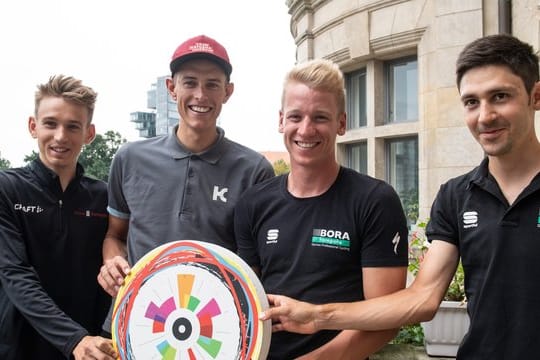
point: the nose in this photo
(305, 127)
(60, 134)
(486, 112)
(199, 92)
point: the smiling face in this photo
(200, 88)
(498, 110)
(61, 129)
(310, 120)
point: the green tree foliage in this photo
(32, 156)
(96, 158)
(280, 167)
(4, 163)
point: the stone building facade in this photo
(405, 121)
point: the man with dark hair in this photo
(52, 224)
(490, 217)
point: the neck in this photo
(514, 172)
(303, 182)
(65, 176)
(194, 141)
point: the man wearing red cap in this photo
(186, 184)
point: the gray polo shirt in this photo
(169, 193)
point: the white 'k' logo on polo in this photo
(219, 193)
(470, 219)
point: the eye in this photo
(74, 127)
(189, 84)
(294, 117)
(500, 97)
(213, 85)
(470, 103)
(321, 118)
(49, 124)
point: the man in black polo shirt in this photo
(489, 216)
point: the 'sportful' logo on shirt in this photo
(272, 236)
(470, 219)
(331, 238)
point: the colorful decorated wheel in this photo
(191, 300)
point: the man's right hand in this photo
(112, 273)
(94, 347)
(290, 315)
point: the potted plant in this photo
(443, 334)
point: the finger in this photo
(106, 347)
(263, 315)
(273, 300)
(277, 327)
(117, 270)
(107, 283)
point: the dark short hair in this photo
(500, 49)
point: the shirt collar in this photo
(210, 155)
(47, 175)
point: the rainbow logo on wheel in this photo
(190, 300)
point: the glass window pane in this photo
(357, 157)
(402, 91)
(402, 173)
(356, 99)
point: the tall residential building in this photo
(163, 115)
(405, 120)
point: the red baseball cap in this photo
(201, 47)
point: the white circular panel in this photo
(191, 300)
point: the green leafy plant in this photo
(410, 334)
(418, 246)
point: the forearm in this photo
(29, 298)
(387, 312)
(113, 246)
(115, 242)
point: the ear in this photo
(32, 126)
(342, 124)
(229, 89)
(281, 124)
(90, 134)
(535, 95)
(170, 87)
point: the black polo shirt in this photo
(500, 250)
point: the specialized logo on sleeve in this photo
(272, 236)
(331, 238)
(395, 241)
(470, 219)
(219, 194)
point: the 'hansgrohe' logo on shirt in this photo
(331, 238)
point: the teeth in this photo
(200, 109)
(59, 149)
(306, 144)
